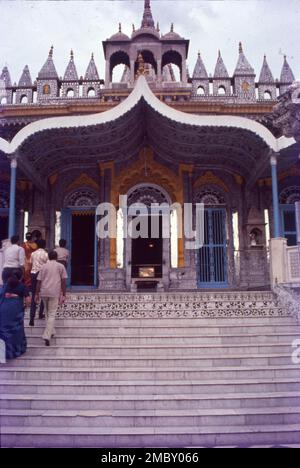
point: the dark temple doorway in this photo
(147, 254)
(83, 249)
(3, 227)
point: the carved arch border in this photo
(147, 170)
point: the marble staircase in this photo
(161, 370)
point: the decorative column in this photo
(184, 72)
(276, 213)
(159, 71)
(12, 197)
(278, 245)
(297, 207)
(185, 276)
(107, 74)
(111, 278)
(132, 77)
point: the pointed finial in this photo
(72, 54)
(219, 53)
(133, 28)
(199, 53)
(92, 56)
(240, 48)
(157, 27)
(51, 51)
(147, 21)
(172, 27)
(120, 27)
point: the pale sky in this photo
(29, 28)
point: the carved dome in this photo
(119, 36)
(171, 35)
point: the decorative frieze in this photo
(168, 305)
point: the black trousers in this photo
(8, 272)
(33, 306)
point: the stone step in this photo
(190, 362)
(174, 436)
(164, 331)
(150, 402)
(179, 322)
(149, 418)
(20, 372)
(149, 351)
(140, 387)
(67, 340)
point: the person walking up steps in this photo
(14, 260)
(37, 261)
(63, 254)
(51, 289)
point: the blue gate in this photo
(212, 257)
(288, 224)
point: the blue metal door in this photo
(212, 257)
(66, 233)
(288, 222)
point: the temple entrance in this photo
(147, 254)
(79, 230)
(212, 257)
(147, 260)
(83, 249)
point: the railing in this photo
(288, 300)
(293, 264)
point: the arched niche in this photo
(118, 58)
(172, 57)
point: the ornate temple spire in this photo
(243, 67)
(5, 76)
(71, 72)
(266, 75)
(48, 70)
(25, 80)
(91, 73)
(220, 70)
(147, 21)
(200, 70)
(287, 76)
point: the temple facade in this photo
(157, 134)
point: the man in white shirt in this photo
(37, 261)
(14, 259)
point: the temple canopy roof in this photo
(233, 144)
(243, 67)
(266, 76)
(48, 70)
(25, 80)
(71, 72)
(287, 75)
(91, 73)
(220, 69)
(200, 70)
(5, 76)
